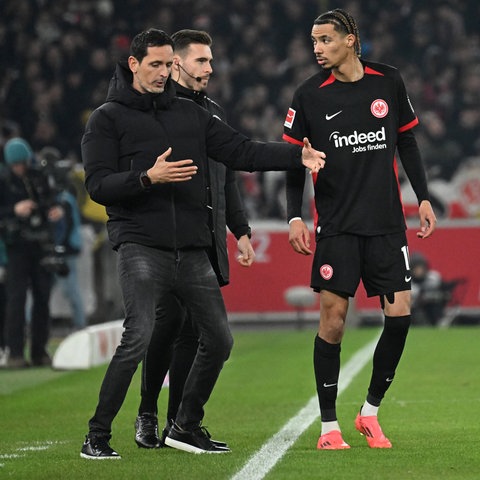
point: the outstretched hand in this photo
(311, 158)
(179, 171)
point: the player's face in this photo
(151, 74)
(197, 61)
(330, 47)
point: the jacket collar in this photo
(121, 90)
(181, 91)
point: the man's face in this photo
(19, 168)
(331, 48)
(152, 73)
(197, 61)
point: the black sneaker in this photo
(169, 426)
(165, 431)
(98, 448)
(193, 441)
(146, 431)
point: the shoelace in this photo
(101, 443)
(149, 424)
(204, 431)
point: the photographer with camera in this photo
(28, 211)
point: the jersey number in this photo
(406, 256)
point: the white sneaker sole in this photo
(89, 457)
(186, 447)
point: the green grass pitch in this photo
(430, 414)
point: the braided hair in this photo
(342, 22)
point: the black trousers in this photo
(173, 348)
(23, 272)
(148, 276)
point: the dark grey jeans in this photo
(147, 276)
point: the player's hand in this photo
(311, 158)
(299, 237)
(246, 254)
(428, 221)
(179, 171)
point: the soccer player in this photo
(358, 113)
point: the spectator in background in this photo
(27, 208)
(467, 131)
(68, 241)
(67, 232)
(428, 297)
(442, 155)
(436, 44)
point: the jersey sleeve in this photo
(294, 127)
(295, 183)
(406, 115)
(413, 164)
(407, 145)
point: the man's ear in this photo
(133, 64)
(350, 40)
(176, 63)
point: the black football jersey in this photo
(356, 124)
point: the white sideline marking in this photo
(271, 452)
(38, 447)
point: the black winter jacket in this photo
(227, 205)
(124, 137)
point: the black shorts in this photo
(380, 261)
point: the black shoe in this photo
(165, 431)
(169, 425)
(146, 431)
(98, 448)
(193, 441)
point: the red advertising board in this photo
(453, 250)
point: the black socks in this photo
(387, 356)
(326, 363)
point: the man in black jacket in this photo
(28, 209)
(159, 224)
(192, 67)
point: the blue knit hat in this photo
(17, 150)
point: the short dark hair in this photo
(183, 38)
(342, 22)
(152, 37)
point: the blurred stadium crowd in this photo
(57, 58)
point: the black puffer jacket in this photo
(124, 137)
(227, 205)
